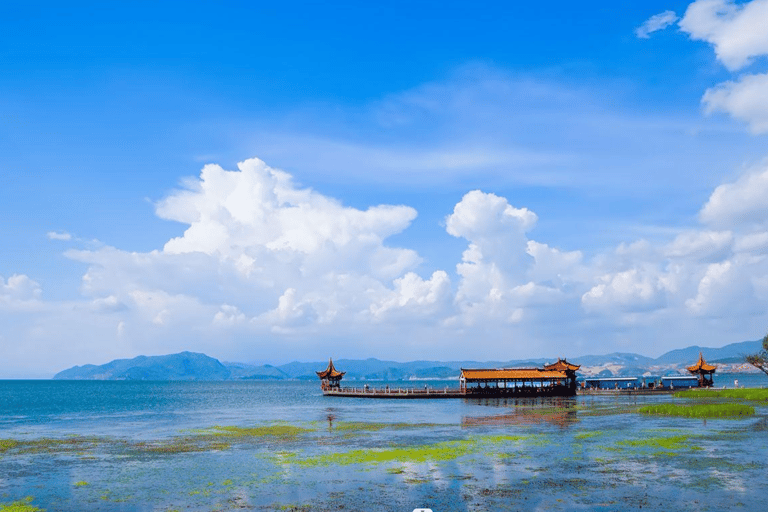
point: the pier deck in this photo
(415, 393)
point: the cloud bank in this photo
(268, 270)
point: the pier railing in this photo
(367, 390)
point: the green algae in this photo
(359, 426)
(24, 505)
(279, 430)
(715, 410)
(180, 445)
(659, 444)
(81, 483)
(435, 452)
(589, 435)
(8, 444)
(72, 444)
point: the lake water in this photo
(198, 446)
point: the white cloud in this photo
(54, 235)
(496, 259)
(740, 203)
(745, 99)
(289, 273)
(737, 31)
(701, 245)
(752, 242)
(656, 22)
(631, 290)
(411, 292)
(19, 291)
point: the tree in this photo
(760, 360)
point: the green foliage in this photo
(700, 410)
(760, 359)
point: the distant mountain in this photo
(734, 350)
(183, 366)
(192, 366)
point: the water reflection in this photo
(558, 411)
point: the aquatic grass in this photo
(74, 444)
(715, 410)
(751, 394)
(441, 451)
(8, 444)
(81, 483)
(359, 426)
(24, 505)
(279, 430)
(180, 445)
(670, 443)
(589, 435)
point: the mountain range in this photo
(194, 366)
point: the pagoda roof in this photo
(702, 366)
(330, 372)
(562, 365)
(471, 374)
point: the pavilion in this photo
(705, 371)
(330, 378)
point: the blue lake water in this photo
(163, 446)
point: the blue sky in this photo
(554, 180)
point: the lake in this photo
(199, 446)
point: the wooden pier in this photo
(557, 379)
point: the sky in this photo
(444, 180)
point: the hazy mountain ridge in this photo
(195, 366)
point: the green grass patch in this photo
(752, 394)
(714, 410)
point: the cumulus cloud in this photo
(742, 202)
(496, 259)
(701, 245)
(256, 216)
(632, 289)
(737, 31)
(656, 22)
(745, 99)
(260, 262)
(18, 289)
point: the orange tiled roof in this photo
(562, 365)
(511, 374)
(330, 372)
(702, 366)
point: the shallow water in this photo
(154, 446)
